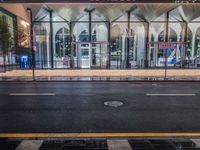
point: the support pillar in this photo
(166, 27)
(147, 46)
(185, 39)
(90, 26)
(51, 39)
(166, 40)
(128, 41)
(71, 46)
(109, 46)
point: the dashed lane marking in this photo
(32, 94)
(172, 94)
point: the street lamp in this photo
(32, 50)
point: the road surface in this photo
(74, 107)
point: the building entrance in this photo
(81, 54)
(99, 55)
(90, 55)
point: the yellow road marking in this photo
(87, 135)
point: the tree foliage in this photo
(23, 38)
(5, 35)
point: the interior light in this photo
(24, 23)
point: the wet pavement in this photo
(80, 107)
(103, 79)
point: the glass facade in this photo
(15, 40)
(7, 49)
(116, 36)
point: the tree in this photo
(5, 37)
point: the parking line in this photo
(172, 94)
(93, 135)
(30, 145)
(32, 94)
(196, 141)
(118, 145)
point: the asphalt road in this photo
(79, 107)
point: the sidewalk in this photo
(112, 74)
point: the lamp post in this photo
(32, 50)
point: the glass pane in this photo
(118, 45)
(41, 45)
(83, 52)
(62, 45)
(137, 45)
(81, 32)
(99, 32)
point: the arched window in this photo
(62, 41)
(189, 45)
(161, 37)
(116, 38)
(172, 36)
(84, 36)
(41, 42)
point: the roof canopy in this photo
(114, 11)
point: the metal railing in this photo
(58, 64)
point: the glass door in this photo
(99, 55)
(96, 55)
(84, 55)
(80, 57)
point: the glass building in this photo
(19, 38)
(114, 35)
(6, 56)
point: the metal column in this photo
(109, 46)
(147, 46)
(185, 39)
(51, 39)
(90, 26)
(32, 50)
(128, 41)
(71, 46)
(166, 40)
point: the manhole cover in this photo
(113, 103)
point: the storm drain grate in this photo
(163, 145)
(52, 145)
(113, 103)
(8, 144)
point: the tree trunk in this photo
(4, 61)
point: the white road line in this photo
(118, 145)
(32, 94)
(178, 94)
(29, 145)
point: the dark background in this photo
(97, 1)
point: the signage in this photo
(166, 46)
